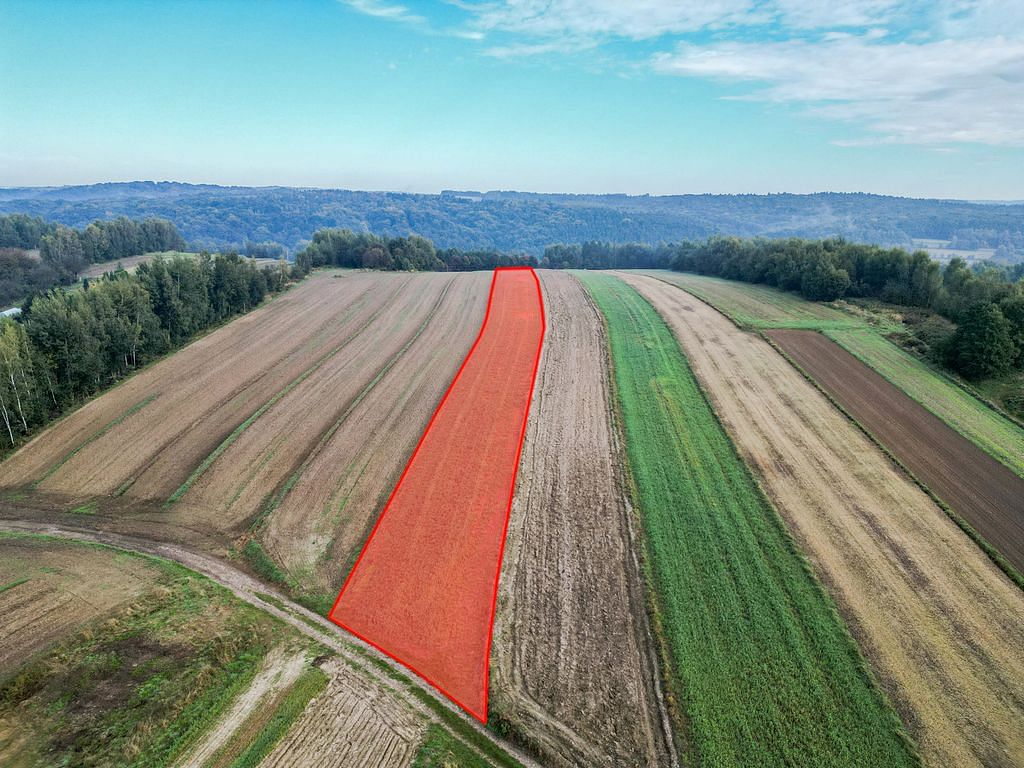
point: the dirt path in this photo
(987, 494)
(279, 670)
(571, 650)
(350, 650)
(942, 627)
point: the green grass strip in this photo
(442, 750)
(762, 666)
(13, 584)
(130, 412)
(310, 683)
(995, 434)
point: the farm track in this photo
(196, 396)
(987, 494)
(572, 651)
(324, 512)
(352, 655)
(263, 456)
(422, 588)
(941, 626)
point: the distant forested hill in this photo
(217, 217)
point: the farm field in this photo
(766, 308)
(941, 626)
(742, 618)
(984, 492)
(422, 587)
(759, 306)
(319, 519)
(989, 430)
(572, 651)
(130, 263)
(147, 655)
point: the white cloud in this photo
(636, 19)
(384, 10)
(924, 93)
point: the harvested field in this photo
(422, 590)
(323, 514)
(252, 463)
(353, 722)
(939, 623)
(146, 436)
(572, 652)
(48, 589)
(981, 490)
(740, 617)
(759, 306)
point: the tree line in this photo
(64, 252)
(985, 302)
(67, 345)
(344, 248)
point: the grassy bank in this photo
(762, 668)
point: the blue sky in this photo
(648, 96)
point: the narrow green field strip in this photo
(13, 584)
(289, 707)
(759, 661)
(982, 425)
(759, 306)
(227, 442)
(93, 438)
(294, 478)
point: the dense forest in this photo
(345, 248)
(67, 345)
(64, 252)
(229, 217)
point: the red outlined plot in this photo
(424, 588)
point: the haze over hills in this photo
(215, 216)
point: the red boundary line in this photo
(508, 509)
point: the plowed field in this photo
(980, 489)
(324, 512)
(940, 624)
(423, 588)
(572, 652)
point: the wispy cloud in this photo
(384, 10)
(928, 72)
(925, 93)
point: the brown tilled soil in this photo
(321, 522)
(571, 662)
(266, 453)
(941, 626)
(67, 585)
(188, 403)
(353, 722)
(980, 489)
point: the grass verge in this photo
(740, 612)
(310, 683)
